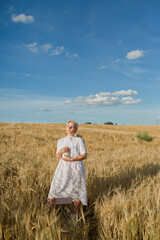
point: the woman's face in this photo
(71, 130)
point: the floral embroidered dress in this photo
(69, 181)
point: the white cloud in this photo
(139, 70)
(32, 47)
(57, 51)
(118, 60)
(74, 55)
(107, 99)
(130, 100)
(46, 47)
(124, 93)
(27, 74)
(11, 73)
(22, 18)
(68, 101)
(11, 9)
(120, 41)
(102, 67)
(135, 54)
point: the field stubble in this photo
(123, 183)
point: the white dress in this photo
(69, 180)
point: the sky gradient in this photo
(94, 61)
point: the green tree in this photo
(108, 123)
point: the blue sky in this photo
(86, 60)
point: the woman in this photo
(69, 182)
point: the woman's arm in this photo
(78, 158)
(58, 156)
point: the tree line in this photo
(105, 123)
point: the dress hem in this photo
(65, 201)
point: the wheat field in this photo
(123, 183)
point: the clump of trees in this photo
(108, 123)
(105, 123)
(88, 123)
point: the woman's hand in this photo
(61, 151)
(64, 149)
